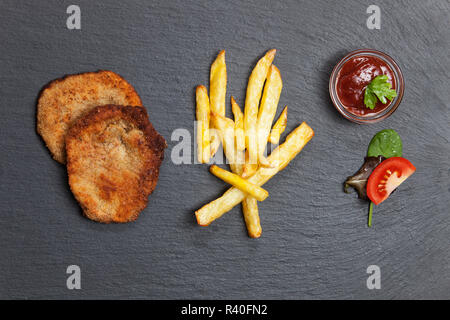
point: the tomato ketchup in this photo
(353, 78)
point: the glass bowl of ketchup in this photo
(350, 77)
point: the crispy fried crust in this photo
(113, 160)
(65, 100)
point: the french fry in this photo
(238, 125)
(203, 119)
(214, 140)
(217, 93)
(279, 127)
(240, 161)
(251, 217)
(225, 126)
(249, 168)
(278, 160)
(218, 84)
(249, 188)
(267, 110)
(249, 205)
(253, 96)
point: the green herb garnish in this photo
(369, 223)
(386, 143)
(358, 181)
(379, 88)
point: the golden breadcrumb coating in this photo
(113, 160)
(65, 100)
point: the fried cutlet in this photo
(65, 100)
(113, 160)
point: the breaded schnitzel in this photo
(65, 100)
(113, 160)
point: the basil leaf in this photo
(358, 181)
(386, 143)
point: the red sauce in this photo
(353, 78)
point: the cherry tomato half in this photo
(387, 176)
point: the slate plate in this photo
(315, 242)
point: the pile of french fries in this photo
(245, 139)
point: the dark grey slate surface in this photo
(315, 242)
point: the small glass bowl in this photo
(383, 114)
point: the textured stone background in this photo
(315, 242)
